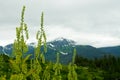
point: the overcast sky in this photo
(88, 22)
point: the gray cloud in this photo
(79, 18)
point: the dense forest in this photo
(109, 65)
(19, 67)
(105, 68)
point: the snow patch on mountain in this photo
(64, 53)
(59, 39)
(64, 40)
(7, 48)
(51, 45)
(4, 51)
(33, 44)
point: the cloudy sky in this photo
(88, 22)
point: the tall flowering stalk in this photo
(19, 65)
(72, 75)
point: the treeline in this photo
(105, 68)
(110, 65)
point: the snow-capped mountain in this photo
(60, 44)
(63, 42)
(63, 46)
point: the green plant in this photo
(72, 75)
(39, 55)
(57, 68)
(19, 65)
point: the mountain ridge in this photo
(65, 47)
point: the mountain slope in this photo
(115, 50)
(1, 50)
(88, 51)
